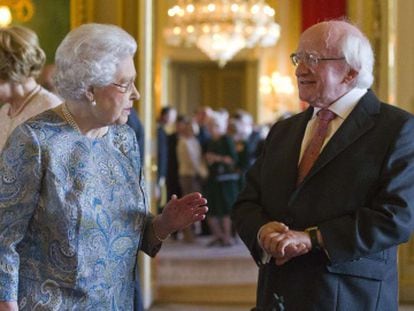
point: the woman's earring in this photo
(93, 103)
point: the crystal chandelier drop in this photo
(221, 28)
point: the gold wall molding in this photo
(406, 272)
(404, 53)
(81, 12)
(373, 18)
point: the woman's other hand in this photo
(180, 213)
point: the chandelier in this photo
(221, 28)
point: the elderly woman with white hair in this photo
(73, 208)
(223, 179)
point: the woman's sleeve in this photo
(20, 176)
(150, 244)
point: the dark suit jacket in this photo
(360, 193)
(172, 182)
(162, 152)
(135, 123)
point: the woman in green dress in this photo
(223, 179)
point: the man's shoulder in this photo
(293, 120)
(44, 121)
(391, 112)
(394, 111)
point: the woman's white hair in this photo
(88, 56)
(220, 120)
(356, 49)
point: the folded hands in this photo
(282, 243)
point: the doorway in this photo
(194, 84)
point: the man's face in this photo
(322, 82)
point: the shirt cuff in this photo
(265, 256)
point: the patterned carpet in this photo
(196, 264)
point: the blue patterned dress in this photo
(73, 216)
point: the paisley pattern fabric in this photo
(72, 216)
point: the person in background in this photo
(332, 194)
(201, 118)
(135, 123)
(263, 131)
(246, 140)
(222, 184)
(167, 116)
(73, 206)
(172, 181)
(192, 169)
(21, 61)
(249, 134)
(235, 132)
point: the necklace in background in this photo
(67, 115)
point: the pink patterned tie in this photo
(314, 148)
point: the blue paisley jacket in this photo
(73, 215)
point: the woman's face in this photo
(114, 101)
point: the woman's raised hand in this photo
(180, 213)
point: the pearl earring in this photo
(93, 103)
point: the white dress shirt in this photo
(342, 108)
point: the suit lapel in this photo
(358, 122)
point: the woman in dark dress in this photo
(222, 182)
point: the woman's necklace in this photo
(67, 115)
(25, 101)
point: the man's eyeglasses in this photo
(125, 88)
(310, 59)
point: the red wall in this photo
(314, 11)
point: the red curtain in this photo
(314, 11)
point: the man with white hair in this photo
(331, 197)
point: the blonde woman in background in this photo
(191, 168)
(21, 97)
